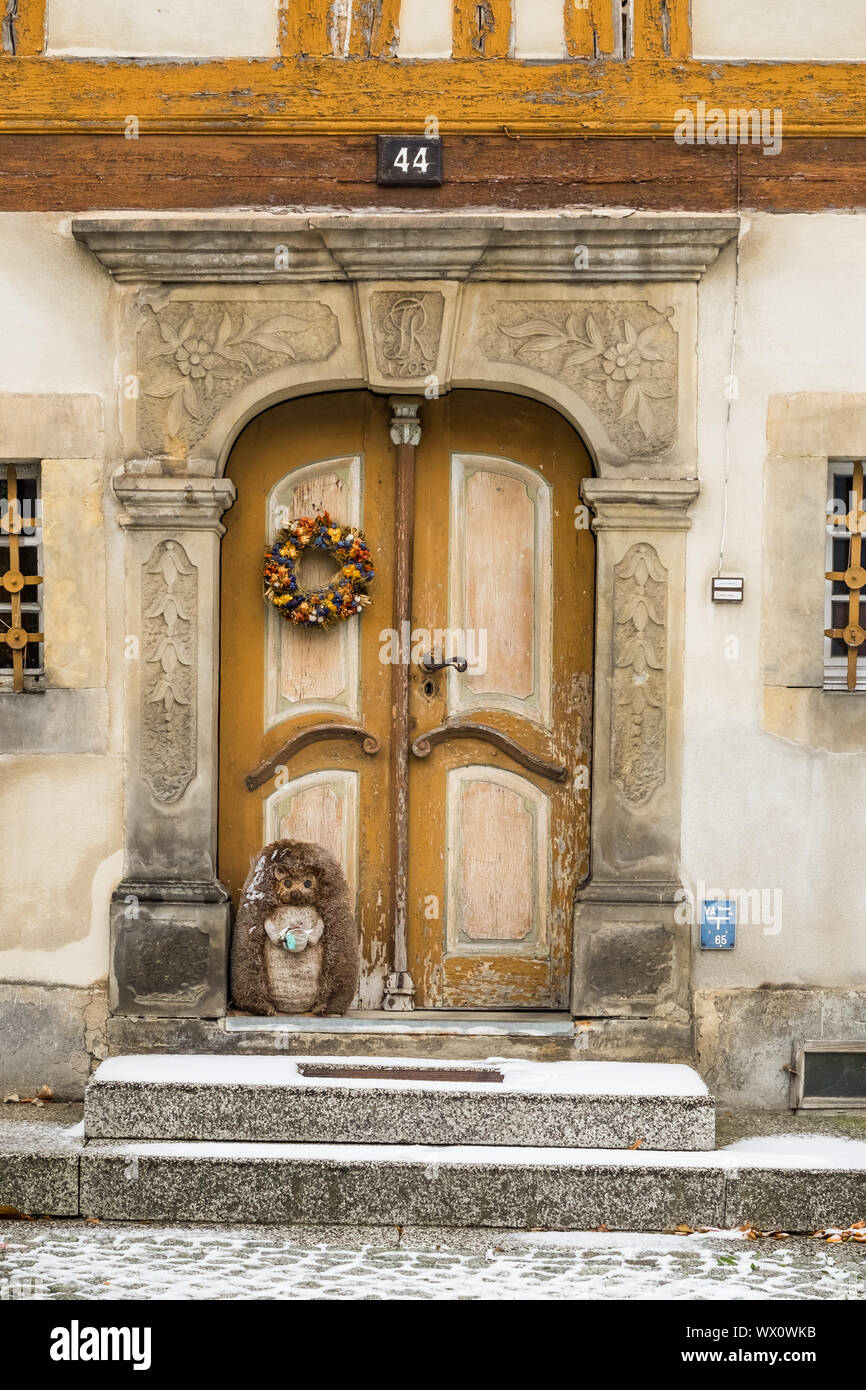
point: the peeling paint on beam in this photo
(639, 97)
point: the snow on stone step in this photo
(768, 1185)
(363, 1100)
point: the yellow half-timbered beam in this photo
(29, 27)
(589, 29)
(661, 29)
(328, 96)
(304, 29)
(482, 30)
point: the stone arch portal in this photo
(218, 323)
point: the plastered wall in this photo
(767, 803)
(60, 774)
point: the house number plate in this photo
(409, 160)
(718, 924)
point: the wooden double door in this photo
(502, 572)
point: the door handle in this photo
(466, 728)
(458, 662)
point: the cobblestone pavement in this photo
(80, 1260)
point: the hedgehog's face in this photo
(294, 885)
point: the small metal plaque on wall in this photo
(718, 924)
(409, 160)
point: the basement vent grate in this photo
(355, 1073)
(829, 1075)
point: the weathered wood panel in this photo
(322, 809)
(493, 851)
(308, 668)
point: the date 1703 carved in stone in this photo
(169, 597)
(407, 329)
(194, 355)
(620, 358)
(638, 734)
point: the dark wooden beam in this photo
(79, 172)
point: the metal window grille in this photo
(845, 604)
(21, 637)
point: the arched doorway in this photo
(495, 826)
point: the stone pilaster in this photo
(170, 915)
(631, 955)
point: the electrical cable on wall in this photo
(731, 380)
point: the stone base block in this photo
(49, 1036)
(169, 959)
(631, 956)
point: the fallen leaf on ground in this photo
(838, 1235)
(638, 1143)
(13, 1214)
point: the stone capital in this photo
(640, 504)
(181, 503)
(405, 424)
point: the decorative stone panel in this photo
(168, 959)
(407, 330)
(637, 722)
(621, 358)
(193, 356)
(408, 333)
(169, 600)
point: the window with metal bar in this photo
(845, 602)
(21, 637)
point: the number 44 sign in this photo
(410, 160)
(718, 924)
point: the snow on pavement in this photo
(78, 1260)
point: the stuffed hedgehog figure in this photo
(295, 942)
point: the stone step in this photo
(495, 1188)
(381, 1100)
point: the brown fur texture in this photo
(290, 871)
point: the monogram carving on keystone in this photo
(621, 359)
(638, 726)
(407, 329)
(194, 356)
(169, 596)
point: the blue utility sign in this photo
(718, 924)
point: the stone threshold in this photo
(424, 1023)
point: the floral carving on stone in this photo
(169, 598)
(638, 688)
(622, 359)
(194, 355)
